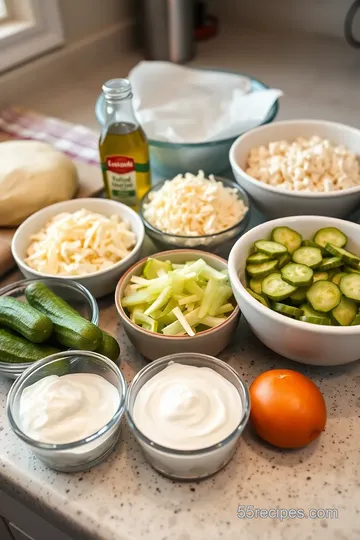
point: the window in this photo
(28, 28)
(3, 10)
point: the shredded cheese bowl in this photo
(90, 241)
(300, 167)
(196, 212)
(153, 345)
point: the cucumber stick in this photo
(24, 319)
(16, 349)
(70, 329)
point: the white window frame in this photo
(32, 28)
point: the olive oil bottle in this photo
(124, 150)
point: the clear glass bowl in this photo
(219, 243)
(83, 454)
(75, 294)
(188, 464)
(168, 159)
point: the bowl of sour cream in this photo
(67, 408)
(187, 412)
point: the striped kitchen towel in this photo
(78, 142)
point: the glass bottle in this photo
(123, 146)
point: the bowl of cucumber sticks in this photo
(177, 301)
(297, 282)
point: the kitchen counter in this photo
(124, 499)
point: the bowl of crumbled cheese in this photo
(90, 241)
(300, 167)
(196, 212)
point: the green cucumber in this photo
(324, 296)
(350, 286)
(15, 349)
(70, 329)
(284, 260)
(258, 297)
(337, 277)
(324, 276)
(273, 249)
(299, 295)
(348, 257)
(276, 288)
(345, 312)
(287, 237)
(330, 235)
(109, 347)
(351, 270)
(257, 258)
(324, 321)
(287, 310)
(255, 285)
(329, 263)
(297, 274)
(262, 270)
(309, 256)
(24, 319)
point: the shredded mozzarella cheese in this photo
(193, 205)
(308, 165)
(83, 242)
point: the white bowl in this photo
(98, 283)
(274, 202)
(304, 342)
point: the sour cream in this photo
(60, 410)
(185, 407)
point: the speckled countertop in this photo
(124, 499)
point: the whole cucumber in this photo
(16, 349)
(70, 329)
(24, 319)
(109, 347)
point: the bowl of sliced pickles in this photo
(297, 282)
(177, 301)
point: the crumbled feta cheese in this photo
(313, 164)
(79, 243)
(193, 205)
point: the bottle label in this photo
(121, 178)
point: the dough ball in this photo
(32, 175)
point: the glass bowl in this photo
(75, 294)
(219, 243)
(168, 159)
(188, 464)
(83, 454)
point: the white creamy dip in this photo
(187, 407)
(59, 410)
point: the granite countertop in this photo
(124, 499)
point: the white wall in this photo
(321, 16)
(82, 18)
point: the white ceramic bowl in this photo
(98, 283)
(297, 340)
(274, 202)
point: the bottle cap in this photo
(115, 89)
